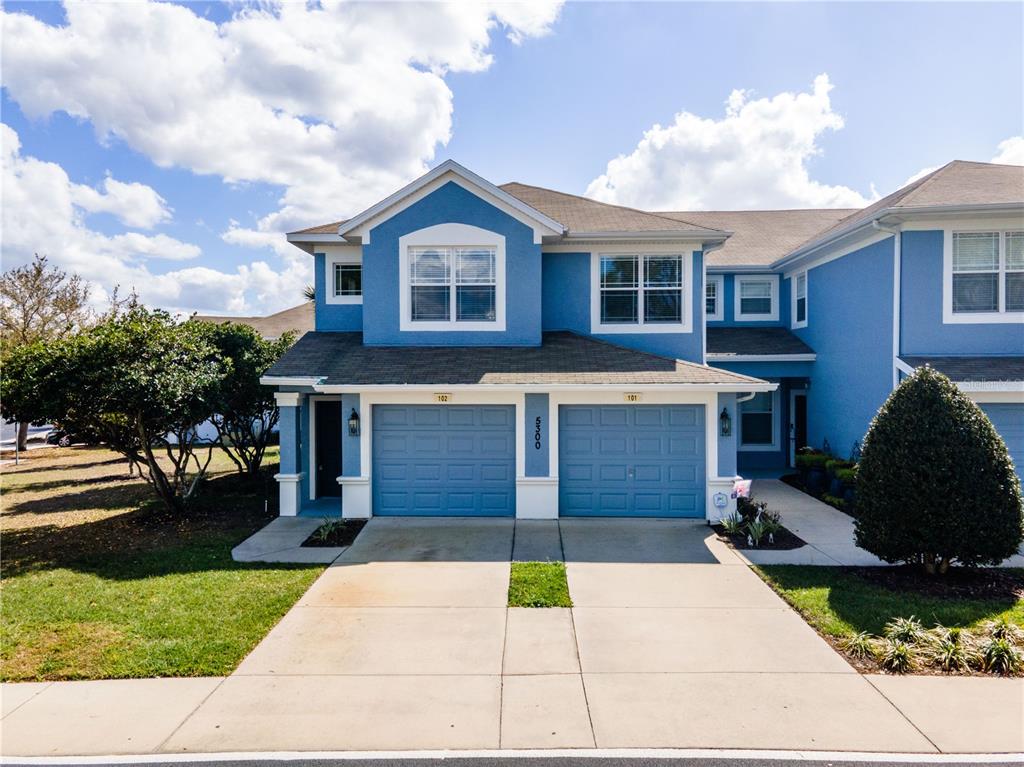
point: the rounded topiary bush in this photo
(935, 483)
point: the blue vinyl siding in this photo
(631, 460)
(444, 460)
(1008, 418)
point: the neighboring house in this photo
(297, 320)
(485, 350)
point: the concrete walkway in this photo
(827, 531)
(405, 642)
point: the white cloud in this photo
(338, 103)
(134, 204)
(756, 156)
(1011, 151)
(44, 211)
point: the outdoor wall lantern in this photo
(353, 424)
(726, 422)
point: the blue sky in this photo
(310, 115)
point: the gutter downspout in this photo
(896, 291)
(704, 301)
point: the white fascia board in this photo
(298, 237)
(761, 357)
(290, 380)
(906, 368)
(699, 235)
(753, 385)
(357, 223)
(744, 269)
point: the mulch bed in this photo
(959, 583)
(341, 533)
(784, 540)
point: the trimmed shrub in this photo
(935, 483)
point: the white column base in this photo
(536, 497)
(288, 486)
(717, 487)
(355, 498)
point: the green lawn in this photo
(538, 584)
(98, 583)
(839, 602)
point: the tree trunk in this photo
(23, 435)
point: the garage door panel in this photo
(650, 460)
(443, 460)
(1008, 418)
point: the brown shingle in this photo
(562, 358)
(298, 319)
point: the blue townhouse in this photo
(516, 351)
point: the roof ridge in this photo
(758, 210)
(919, 184)
(608, 204)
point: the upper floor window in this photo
(757, 297)
(799, 308)
(641, 290)
(714, 295)
(348, 279)
(988, 272)
(343, 276)
(449, 284)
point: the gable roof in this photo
(562, 359)
(298, 320)
(582, 216)
(957, 184)
(760, 237)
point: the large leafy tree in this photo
(39, 302)
(139, 381)
(244, 412)
(935, 483)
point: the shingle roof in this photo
(973, 369)
(581, 214)
(956, 183)
(298, 319)
(331, 228)
(562, 358)
(760, 237)
(754, 341)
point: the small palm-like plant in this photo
(906, 630)
(898, 657)
(757, 529)
(953, 650)
(1001, 657)
(732, 524)
(1001, 628)
(860, 645)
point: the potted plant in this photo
(811, 464)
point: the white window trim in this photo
(451, 236)
(773, 315)
(719, 281)
(949, 317)
(774, 446)
(793, 322)
(686, 310)
(330, 259)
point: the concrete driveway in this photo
(406, 643)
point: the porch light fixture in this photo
(353, 424)
(726, 422)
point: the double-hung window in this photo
(757, 297)
(799, 301)
(452, 281)
(641, 290)
(988, 272)
(757, 422)
(713, 297)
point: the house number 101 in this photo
(536, 434)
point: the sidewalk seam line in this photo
(906, 718)
(172, 733)
(32, 697)
(575, 639)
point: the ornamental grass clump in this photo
(862, 646)
(953, 651)
(907, 630)
(999, 656)
(935, 483)
(899, 657)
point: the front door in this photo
(798, 427)
(328, 447)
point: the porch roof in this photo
(341, 359)
(724, 343)
(973, 369)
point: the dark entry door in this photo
(328, 448)
(799, 422)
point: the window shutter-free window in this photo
(975, 271)
(1014, 272)
(757, 420)
(711, 298)
(801, 297)
(348, 279)
(755, 297)
(441, 279)
(641, 290)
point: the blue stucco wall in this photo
(287, 428)
(850, 328)
(332, 316)
(451, 204)
(350, 458)
(566, 306)
(729, 314)
(537, 447)
(921, 327)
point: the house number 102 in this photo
(536, 434)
